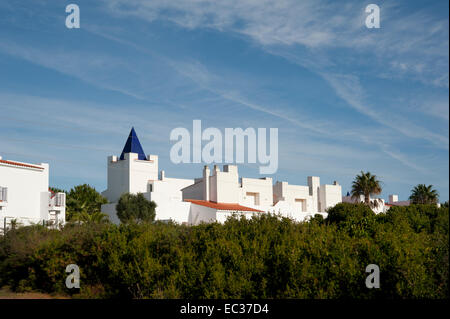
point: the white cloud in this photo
(281, 27)
(350, 90)
(418, 38)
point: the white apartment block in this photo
(249, 196)
(214, 196)
(25, 196)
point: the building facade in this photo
(255, 196)
(134, 172)
(25, 197)
(215, 195)
(378, 205)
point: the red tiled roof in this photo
(395, 204)
(222, 206)
(20, 164)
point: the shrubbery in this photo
(265, 257)
(135, 208)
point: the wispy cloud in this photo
(343, 127)
(421, 51)
(85, 65)
(399, 48)
(349, 89)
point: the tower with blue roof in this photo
(133, 145)
(131, 171)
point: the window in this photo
(252, 198)
(300, 204)
(3, 194)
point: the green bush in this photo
(263, 257)
(133, 208)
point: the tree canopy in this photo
(423, 194)
(263, 257)
(135, 208)
(83, 201)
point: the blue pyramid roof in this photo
(133, 146)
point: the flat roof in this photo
(20, 164)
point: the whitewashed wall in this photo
(28, 197)
(167, 195)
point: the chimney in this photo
(393, 198)
(314, 185)
(206, 183)
(230, 169)
(112, 159)
(162, 175)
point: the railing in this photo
(58, 200)
(11, 222)
(3, 194)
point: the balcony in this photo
(3, 197)
(57, 201)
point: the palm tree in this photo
(423, 194)
(366, 184)
(83, 199)
(98, 217)
(13, 223)
(93, 217)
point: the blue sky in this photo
(343, 97)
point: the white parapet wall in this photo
(329, 196)
(167, 195)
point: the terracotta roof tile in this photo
(223, 206)
(20, 164)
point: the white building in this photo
(222, 191)
(214, 196)
(393, 201)
(134, 172)
(25, 196)
(382, 206)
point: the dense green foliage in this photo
(263, 257)
(133, 208)
(83, 203)
(423, 194)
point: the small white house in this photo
(25, 196)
